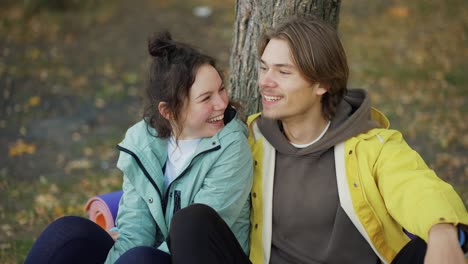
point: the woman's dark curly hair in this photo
(173, 69)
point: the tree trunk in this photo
(252, 17)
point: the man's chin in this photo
(271, 115)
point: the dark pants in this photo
(197, 235)
(71, 239)
(413, 252)
(77, 240)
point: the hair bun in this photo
(161, 44)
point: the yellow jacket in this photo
(383, 186)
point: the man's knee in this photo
(195, 220)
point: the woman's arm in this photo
(136, 226)
(227, 185)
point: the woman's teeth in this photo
(216, 119)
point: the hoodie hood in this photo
(353, 117)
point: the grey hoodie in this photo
(309, 225)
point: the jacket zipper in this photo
(176, 201)
(165, 200)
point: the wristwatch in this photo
(462, 239)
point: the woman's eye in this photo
(285, 73)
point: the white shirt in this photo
(315, 140)
(178, 154)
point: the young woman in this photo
(189, 155)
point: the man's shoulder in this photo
(381, 134)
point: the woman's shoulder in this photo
(234, 129)
(139, 135)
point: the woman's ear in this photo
(164, 111)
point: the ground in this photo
(71, 82)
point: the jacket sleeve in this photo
(412, 192)
(227, 185)
(136, 226)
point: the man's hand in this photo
(443, 246)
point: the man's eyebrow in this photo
(279, 65)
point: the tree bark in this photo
(254, 16)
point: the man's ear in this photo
(322, 88)
(164, 111)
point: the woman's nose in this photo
(220, 102)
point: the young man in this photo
(332, 184)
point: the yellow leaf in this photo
(33, 53)
(79, 82)
(130, 78)
(58, 211)
(46, 201)
(81, 164)
(34, 101)
(399, 11)
(20, 148)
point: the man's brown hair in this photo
(317, 52)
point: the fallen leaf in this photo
(130, 78)
(79, 82)
(34, 101)
(46, 201)
(78, 165)
(33, 53)
(399, 11)
(20, 148)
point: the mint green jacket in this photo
(219, 174)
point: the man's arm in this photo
(443, 245)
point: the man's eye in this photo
(262, 68)
(285, 72)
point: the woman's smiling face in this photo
(203, 112)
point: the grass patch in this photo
(15, 251)
(458, 77)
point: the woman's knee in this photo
(64, 224)
(66, 239)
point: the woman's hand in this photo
(114, 233)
